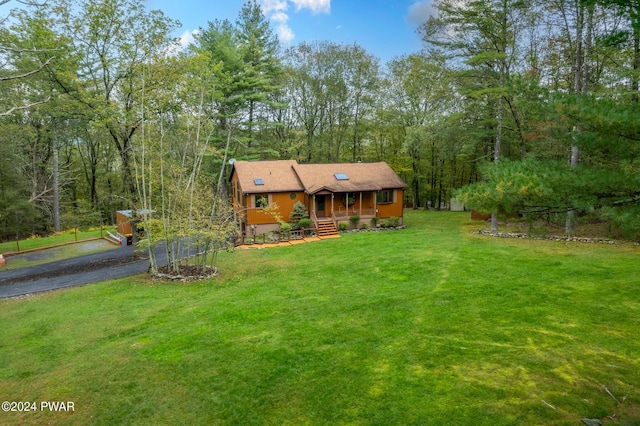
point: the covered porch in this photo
(326, 206)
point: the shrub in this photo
(304, 223)
(355, 219)
(285, 227)
(394, 221)
(343, 226)
(298, 213)
(384, 223)
(365, 226)
(375, 220)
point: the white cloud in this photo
(280, 17)
(187, 38)
(276, 11)
(182, 42)
(316, 6)
(285, 34)
(420, 11)
(269, 6)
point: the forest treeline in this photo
(511, 106)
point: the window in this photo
(349, 197)
(385, 196)
(261, 201)
(341, 176)
(258, 181)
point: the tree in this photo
(308, 94)
(333, 92)
(261, 65)
(421, 95)
(247, 76)
(110, 41)
(17, 214)
(190, 219)
(485, 36)
(11, 52)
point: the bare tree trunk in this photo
(500, 113)
(498, 147)
(635, 86)
(143, 194)
(222, 188)
(56, 191)
(581, 85)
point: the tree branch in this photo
(15, 77)
(16, 108)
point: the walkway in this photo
(285, 243)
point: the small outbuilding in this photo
(126, 221)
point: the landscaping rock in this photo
(550, 237)
(377, 229)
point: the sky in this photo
(385, 28)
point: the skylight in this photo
(341, 176)
(258, 181)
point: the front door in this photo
(320, 206)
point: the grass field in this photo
(428, 325)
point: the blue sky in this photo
(385, 28)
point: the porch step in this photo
(326, 228)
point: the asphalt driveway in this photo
(116, 263)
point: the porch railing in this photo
(314, 219)
(275, 236)
(354, 211)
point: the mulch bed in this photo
(187, 273)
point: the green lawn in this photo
(429, 325)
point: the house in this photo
(331, 193)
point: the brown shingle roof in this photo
(289, 176)
(361, 177)
(277, 176)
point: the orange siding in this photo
(236, 190)
(124, 227)
(285, 203)
(393, 209)
(257, 216)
